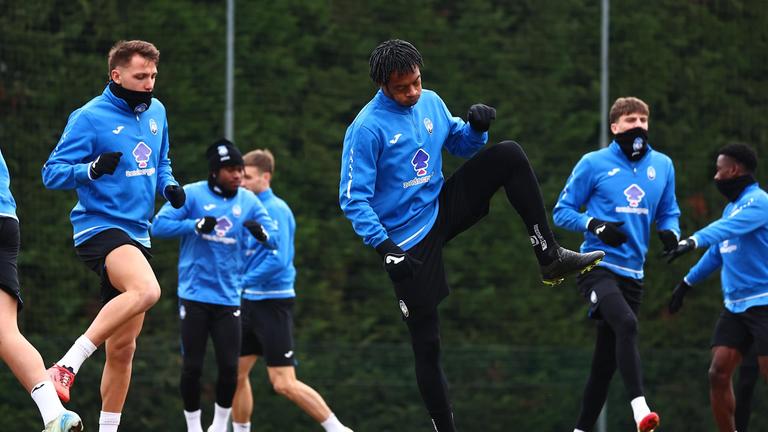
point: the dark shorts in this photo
(742, 330)
(601, 282)
(457, 213)
(93, 253)
(268, 330)
(10, 239)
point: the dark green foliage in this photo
(516, 352)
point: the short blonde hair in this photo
(261, 159)
(627, 105)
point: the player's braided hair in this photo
(394, 55)
(742, 153)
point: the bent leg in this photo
(283, 379)
(506, 165)
(724, 362)
(623, 322)
(130, 273)
(116, 378)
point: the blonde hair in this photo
(261, 159)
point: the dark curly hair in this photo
(394, 55)
(742, 153)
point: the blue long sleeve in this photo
(567, 213)
(709, 262)
(68, 165)
(739, 219)
(273, 261)
(174, 222)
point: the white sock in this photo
(220, 418)
(639, 408)
(81, 350)
(332, 424)
(44, 395)
(193, 421)
(578, 430)
(241, 427)
(109, 421)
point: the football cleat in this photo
(67, 421)
(62, 378)
(649, 423)
(569, 263)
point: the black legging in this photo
(616, 345)
(506, 165)
(425, 340)
(223, 324)
(744, 389)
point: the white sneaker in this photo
(67, 421)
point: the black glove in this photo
(175, 195)
(398, 264)
(105, 163)
(676, 302)
(480, 116)
(256, 230)
(608, 232)
(682, 248)
(205, 224)
(668, 239)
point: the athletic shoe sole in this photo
(588, 268)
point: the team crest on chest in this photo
(651, 172)
(428, 124)
(153, 126)
(236, 210)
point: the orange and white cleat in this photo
(62, 378)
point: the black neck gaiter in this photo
(633, 143)
(733, 187)
(139, 101)
(218, 190)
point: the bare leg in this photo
(130, 273)
(242, 403)
(116, 378)
(724, 362)
(15, 350)
(284, 381)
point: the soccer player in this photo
(15, 350)
(738, 244)
(212, 224)
(267, 306)
(393, 191)
(625, 188)
(114, 152)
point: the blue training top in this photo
(269, 273)
(211, 265)
(615, 189)
(7, 203)
(125, 199)
(739, 243)
(392, 168)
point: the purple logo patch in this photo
(141, 153)
(223, 225)
(420, 162)
(634, 194)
